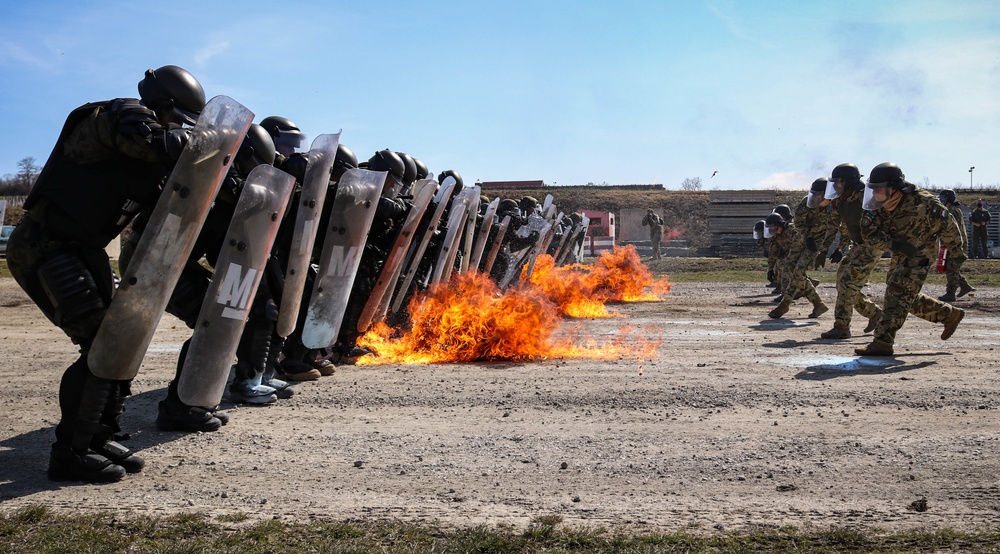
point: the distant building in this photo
(512, 185)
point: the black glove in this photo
(174, 141)
(770, 276)
(836, 256)
(295, 165)
(811, 244)
(900, 246)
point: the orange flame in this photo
(570, 287)
(620, 276)
(467, 319)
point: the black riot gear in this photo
(256, 149)
(758, 230)
(454, 174)
(171, 89)
(422, 171)
(849, 173)
(887, 173)
(409, 168)
(947, 196)
(817, 193)
(286, 135)
(784, 211)
(387, 160)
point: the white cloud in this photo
(211, 50)
(787, 180)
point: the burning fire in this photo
(468, 319)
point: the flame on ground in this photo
(616, 276)
(467, 319)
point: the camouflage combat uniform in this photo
(857, 264)
(796, 283)
(812, 224)
(953, 263)
(917, 223)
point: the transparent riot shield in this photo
(456, 226)
(483, 234)
(154, 269)
(378, 300)
(495, 246)
(535, 224)
(314, 185)
(544, 237)
(238, 272)
(416, 254)
(470, 229)
(350, 220)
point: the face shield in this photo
(770, 231)
(834, 189)
(758, 232)
(815, 199)
(876, 194)
(288, 142)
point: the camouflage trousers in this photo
(852, 275)
(796, 283)
(902, 296)
(953, 270)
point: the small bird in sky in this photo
(713, 174)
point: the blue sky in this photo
(766, 94)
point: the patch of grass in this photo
(35, 529)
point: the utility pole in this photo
(970, 176)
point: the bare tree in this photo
(691, 183)
(27, 172)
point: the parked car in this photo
(5, 232)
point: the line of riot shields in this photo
(276, 261)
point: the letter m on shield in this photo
(234, 294)
(342, 260)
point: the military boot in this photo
(838, 332)
(873, 321)
(819, 308)
(121, 455)
(780, 310)
(876, 348)
(952, 322)
(66, 464)
(174, 415)
(947, 297)
(965, 289)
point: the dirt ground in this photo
(739, 420)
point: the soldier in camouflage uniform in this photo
(776, 255)
(910, 221)
(788, 239)
(953, 263)
(811, 219)
(845, 189)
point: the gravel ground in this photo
(738, 421)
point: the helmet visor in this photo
(770, 231)
(815, 199)
(875, 195)
(288, 142)
(834, 188)
(758, 233)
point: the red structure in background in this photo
(600, 233)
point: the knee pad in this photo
(71, 288)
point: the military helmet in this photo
(172, 89)
(772, 223)
(256, 149)
(345, 160)
(758, 230)
(409, 168)
(528, 203)
(886, 173)
(783, 210)
(847, 172)
(576, 217)
(459, 184)
(285, 134)
(422, 171)
(947, 196)
(387, 160)
(506, 206)
(817, 193)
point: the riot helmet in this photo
(286, 135)
(528, 204)
(947, 196)
(772, 223)
(172, 90)
(422, 171)
(817, 194)
(343, 162)
(507, 207)
(390, 162)
(843, 177)
(884, 179)
(409, 168)
(758, 230)
(576, 217)
(459, 184)
(784, 211)
(256, 149)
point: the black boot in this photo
(67, 465)
(72, 458)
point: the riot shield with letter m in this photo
(314, 184)
(154, 269)
(350, 220)
(237, 275)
